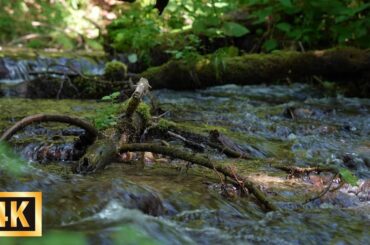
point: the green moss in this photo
(115, 70)
(15, 109)
(143, 109)
(164, 124)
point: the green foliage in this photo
(106, 117)
(47, 23)
(9, 161)
(233, 29)
(136, 31)
(130, 234)
(140, 30)
(111, 97)
(347, 176)
(313, 23)
(218, 57)
(278, 23)
(51, 237)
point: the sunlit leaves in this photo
(313, 23)
(111, 97)
(234, 29)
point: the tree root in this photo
(205, 162)
(90, 129)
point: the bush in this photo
(278, 23)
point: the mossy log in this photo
(340, 65)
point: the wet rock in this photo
(364, 193)
(349, 128)
(353, 161)
(362, 190)
(282, 131)
(338, 199)
(305, 113)
(50, 87)
(348, 161)
(293, 113)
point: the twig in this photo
(324, 191)
(190, 143)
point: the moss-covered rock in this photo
(115, 71)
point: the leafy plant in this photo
(111, 97)
(41, 23)
(313, 23)
(347, 176)
(137, 31)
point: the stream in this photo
(164, 202)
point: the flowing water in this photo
(163, 202)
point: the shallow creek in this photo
(163, 203)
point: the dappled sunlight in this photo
(185, 121)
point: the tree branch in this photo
(205, 162)
(90, 129)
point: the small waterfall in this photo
(15, 70)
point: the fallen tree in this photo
(348, 67)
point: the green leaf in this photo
(286, 3)
(234, 29)
(178, 55)
(105, 98)
(347, 176)
(112, 96)
(115, 95)
(132, 58)
(270, 45)
(283, 26)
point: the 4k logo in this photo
(20, 214)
